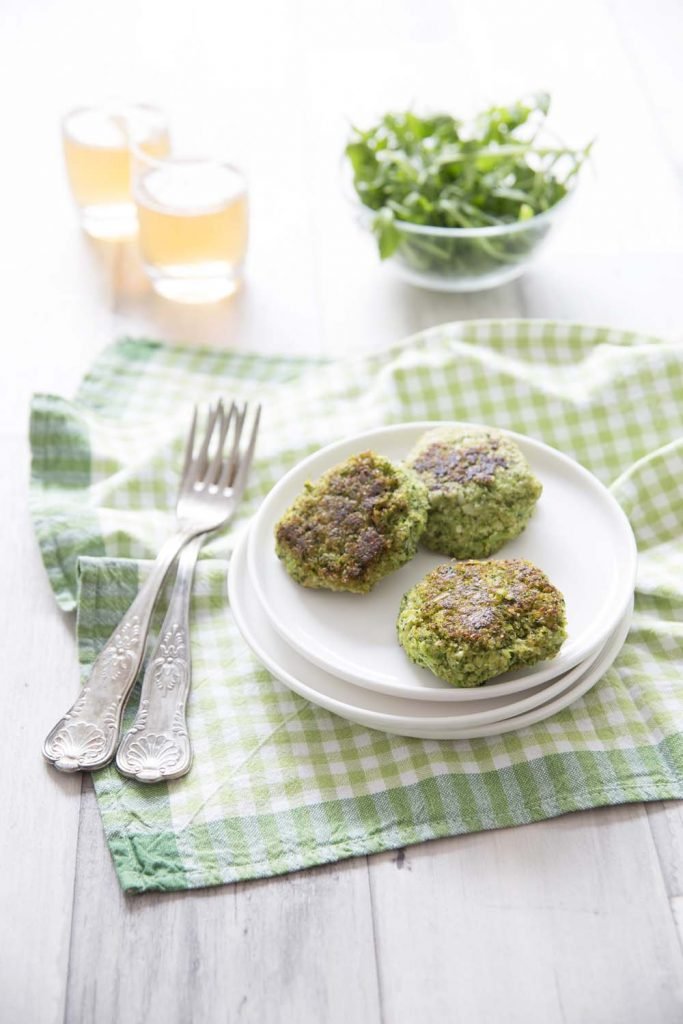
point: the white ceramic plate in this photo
(606, 658)
(578, 535)
(399, 715)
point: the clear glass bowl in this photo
(467, 259)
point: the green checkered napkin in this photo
(278, 783)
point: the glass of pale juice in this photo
(97, 149)
(193, 218)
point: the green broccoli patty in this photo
(469, 621)
(481, 490)
(360, 521)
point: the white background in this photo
(569, 920)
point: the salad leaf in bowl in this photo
(462, 205)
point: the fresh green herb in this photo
(440, 172)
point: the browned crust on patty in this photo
(360, 520)
(472, 463)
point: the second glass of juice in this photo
(97, 150)
(193, 218)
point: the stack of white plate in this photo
(340, 650)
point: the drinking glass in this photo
(193, 218)
(97, 149)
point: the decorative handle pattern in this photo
(85, 738)
(157, 746)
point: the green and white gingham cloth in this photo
(278, 783)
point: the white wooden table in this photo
(568, 920)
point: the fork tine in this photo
(198, 466)
(189, 446)
(245, 462)
(230, 465)
(214, 471)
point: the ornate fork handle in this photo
(157, 746)
(86, 737)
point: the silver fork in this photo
(86, 737)
(157, 746)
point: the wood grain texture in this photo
(544, 923)
(280, 951)
(56, 300)
(568, 920)
(666, 823)
(39, 809)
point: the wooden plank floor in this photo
(578, 919)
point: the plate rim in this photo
(594, 674)
(381, 685)
(384, 721)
